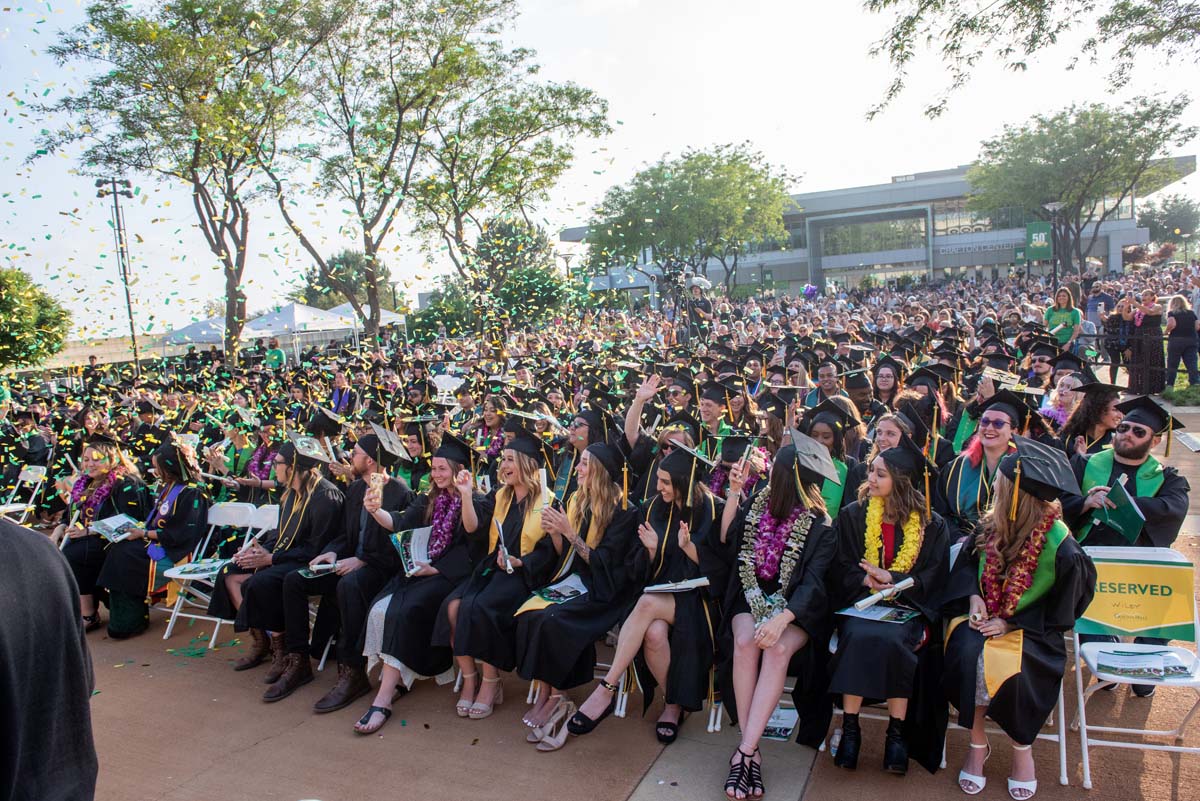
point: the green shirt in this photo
(274, 359)
(1067, 318)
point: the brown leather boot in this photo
(278, 660)
(260, 648)
(297, 672)
(352, 684)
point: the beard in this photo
(1131, 451)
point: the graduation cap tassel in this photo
(1170, 425)
(927, 509)
(1012, 510)
(691, 484)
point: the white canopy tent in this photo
(385, 317)
(291, 319)
(201, 332)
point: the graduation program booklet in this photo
(1142, 665)
(413, 546)
(115, 528)
(1126, 519)
(679, 586)
(882, 613)
(781, 724)
(323, 569)
(570, 587)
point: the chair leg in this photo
(531, 697)
(1061, 712)
(1081, 716)
(175, 613)
(212, 642)
(1188, 718)
(325, 654)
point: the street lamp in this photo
(566, 257)
(118, 188)
(1053, 207)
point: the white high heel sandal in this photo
(1015, 786)
(979, 781)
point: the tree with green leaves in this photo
(507, 143)
(1086, 160)
(704, 207)
(1174, 218)
(33, 326)
(349, 269)
(1118, 32)
(374, 94)
(195, 93)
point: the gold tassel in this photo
(625, 486)
(927, 509)
(799, 483)
(691, 483)
(1012, 511)
(1170, 424)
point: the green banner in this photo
(1018, 254)
(1039, 245)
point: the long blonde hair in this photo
(1007, 536)
(597, 493)
(527, 478)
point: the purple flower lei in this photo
(446, 510)
(496, 444)
(771, 542)
(98, 496)
(261, 462)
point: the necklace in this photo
(763, 606)
(906, 557)
(1002, 593)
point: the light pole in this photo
(566, 257)
(1053, 208)
(118, 187)
(1187, 240)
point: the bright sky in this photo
(795, 79)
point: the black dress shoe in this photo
(895, 752)
(1143, 690)
(849, 745)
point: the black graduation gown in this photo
(485, 628)
(557, 644)
(643, 460)
(807, 596)
(879, 660)
(1024, 702)
(693, 635)
(86, 555)
(127, 564)
(303, 530)
(412, 612)
(1164, 512)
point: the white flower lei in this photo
(763, 606)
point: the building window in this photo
(873, 237)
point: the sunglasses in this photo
(674, 391)
(1136, 430)
(994, 422)
(1042, 359)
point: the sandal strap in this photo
(612, 688)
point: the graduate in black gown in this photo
(249, 590)
(401, 622)
(885, 537)
(593, 540)
(109, 485)
(777, 548)
(668, 636)
(477, 619)
(179, 518)
(1016, 588)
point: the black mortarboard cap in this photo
(1039, 470)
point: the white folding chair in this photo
(1146, 592)
(30, 476)
(195, 579)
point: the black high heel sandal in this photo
(739, 772)
(757, 788)
(671, 729)
(581, 724)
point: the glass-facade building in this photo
(917, 227)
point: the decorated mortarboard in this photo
(308, 451)
(856, 379)
(1039, 470)
(383, 446)
(1145, 411)
(810, 459)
